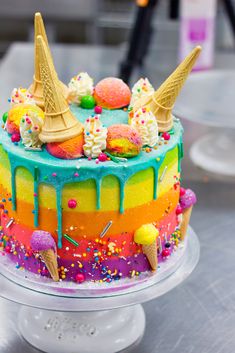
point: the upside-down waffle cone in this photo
(185, 221)
(162, 101)
(60, 124)
(151, 253)
(36, 88)
(50, 259)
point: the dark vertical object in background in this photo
(174, 9)
(230, 10)
(139, 39)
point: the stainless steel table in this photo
(199, 315)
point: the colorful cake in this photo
(90, 174)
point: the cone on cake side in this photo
(162, 101)
(43, 243)
(146, 235)
(187, 201)
(60, 124)
(36, 88)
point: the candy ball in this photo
(88, 102)
(15, 137)
(80, 278)
(123, 141)
(4, 117)
(102, 157)
(98, 109)
(72, 203)
(17, 112)
(70, 149)
(112, 93)
(166, 136)
(178, 210)
(165, 253)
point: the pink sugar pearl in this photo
(98, 109)
(182, 192)
(15, 137)
(166, 136)
(165, 253)
(72, 203)
(80, 278)
(178, 210)
(102, 157)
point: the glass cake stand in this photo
(107, 321)
(208, 98)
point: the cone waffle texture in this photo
(36, 89)
(185, 221)
(50, 259)
(151, 253)
(162, 101)
(60, 124)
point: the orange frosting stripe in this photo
(91, 224)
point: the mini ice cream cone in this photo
(185, 221)
(43, 243)
(150, 252)
(187, 200)
(162, 101)
(50, 259)
(36, 88)
(146, 235)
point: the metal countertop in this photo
(199, 315)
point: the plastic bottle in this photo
(197, 27)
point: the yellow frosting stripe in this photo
(138, 190)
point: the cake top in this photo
(88, 124)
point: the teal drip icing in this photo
(98, 191)
(59, 215)
(36, 205)
(42, 166)
(35, 190)
(13, 186)
(122, 195)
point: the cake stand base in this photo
(215, 153)
(83, 332)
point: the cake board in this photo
(56, 322)
(213, 104)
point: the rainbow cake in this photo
(90, 174)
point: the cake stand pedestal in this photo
(104, 323)
(208, 99)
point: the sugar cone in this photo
(151, 253)
(60, 124)
(50, 259)
(36, 88)
(185, 222)
(162, 101)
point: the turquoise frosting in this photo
(57, 172)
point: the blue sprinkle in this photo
(9, 199)
(88, 249)
(16, 143)
(87, 133)
(3, 200)
(33, 211)
(96, 259)
(9, 100)
(30, 131)
(17, 266)
(5, 211)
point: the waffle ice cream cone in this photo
(162, 101)
(36, 88)
(150, 252)
(60, 124)
(50, 258)
(185, 221)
